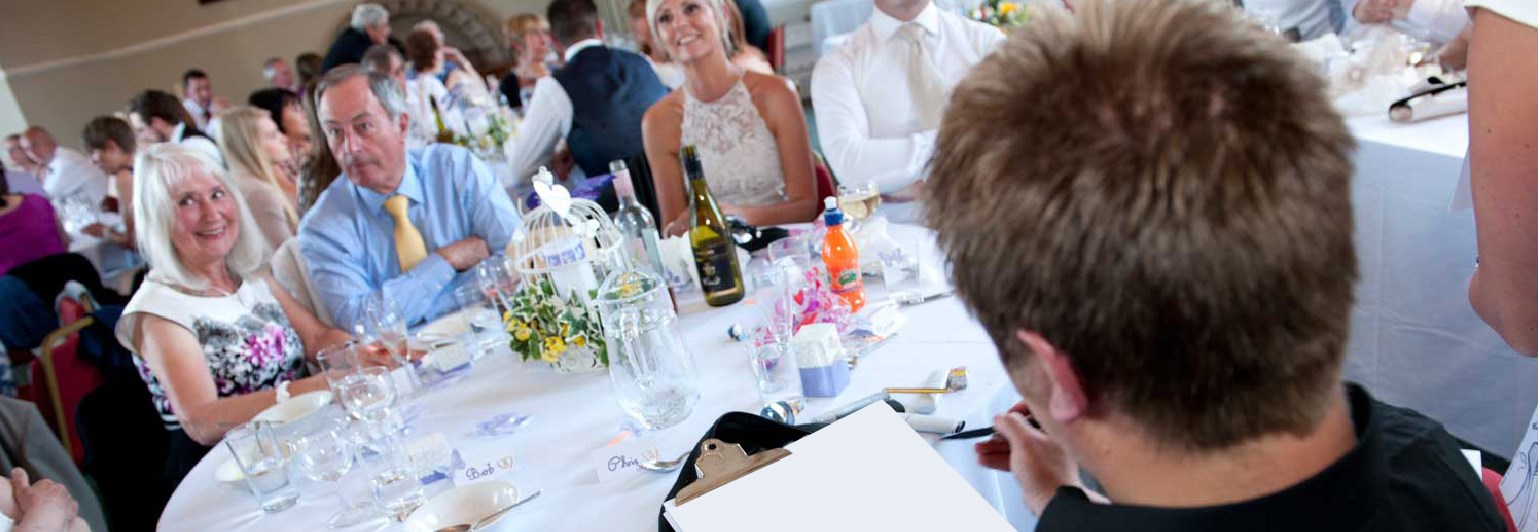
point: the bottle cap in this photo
(832, 216)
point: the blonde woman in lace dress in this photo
(748, 127)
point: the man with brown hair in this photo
(1159, 241)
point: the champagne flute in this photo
(327, 455)
(386, 325)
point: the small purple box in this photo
(825, 381)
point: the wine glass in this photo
(858, 201)
(368, 393)
(327, 455)
(386, 326)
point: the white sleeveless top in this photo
(739, 155)
(247, 341)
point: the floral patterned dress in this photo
(247, 341)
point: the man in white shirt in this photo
(1300, 20)
(878, 98)
(157, 117)
(277, 73)
(198, 98)
(66, 173)
(595, 102)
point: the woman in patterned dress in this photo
(216, 339)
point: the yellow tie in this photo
(409, 246)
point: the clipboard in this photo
(720, 463)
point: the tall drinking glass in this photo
(481, 319)
(337, 362)
(327, 455)
(386, 326)
(394, 482)
(264, 461)
(774, 364)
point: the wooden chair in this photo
(61, 378)
(776, 52)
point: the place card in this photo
(484, 465)
(623, 459)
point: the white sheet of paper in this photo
(1474, 462)
(868, 471)
(1521, 481)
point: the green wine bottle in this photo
(715, 255)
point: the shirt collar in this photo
(571, 51)
(411, 187)
(1344, 496)
(885, 26)
(176, 134)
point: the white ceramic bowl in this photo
(462, 505)
(295, 408)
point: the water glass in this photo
(338, 361)
(368, 393)
(902, 269)
(394, 483)
(776, 372)
(264, 461)
(481, 319)
(327, 455)
(498, 278)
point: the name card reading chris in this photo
(623, 458)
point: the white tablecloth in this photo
(576, 414)
(1415, 341)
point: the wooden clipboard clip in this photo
(720, 463)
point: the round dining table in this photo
(570, 415)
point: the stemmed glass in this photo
(858, 202)
(367, 394)
(386, 326)
(327, 455)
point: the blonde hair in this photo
(721, 22)
(519, 25)
(240, 139)
(157, 171)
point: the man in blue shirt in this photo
(405, 223)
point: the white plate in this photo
(462, 505)
(295, 408)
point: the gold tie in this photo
(410, 249)
(923, 80)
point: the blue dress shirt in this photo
(349, 240)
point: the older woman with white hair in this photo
(216, 340)
(747, 127)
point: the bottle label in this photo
(714, 261)
(845, 280)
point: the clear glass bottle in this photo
(635, 222)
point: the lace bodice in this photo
(739, 155)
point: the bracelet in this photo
(283, 394)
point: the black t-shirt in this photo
(1405, 474)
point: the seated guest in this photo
(427, 57)
(529, 37)
(323, 168)
(878, 97)
(307, 66)
(157, 117)
(19, 158)
(1502, 163)
(423, 93)
(595, 102)
(755, 22)
(453, 59)
(216, 340)
(1299, 20)
(370, 25)
(252, 146)
(669, 72)
(198, 98)
(21, 183)
(29, 230)
(404, 223)
(1169, 281)
(66, 173)
(275, 70)
(284, 108)
(748, 127)
(112, 145)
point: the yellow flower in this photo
(1008, 7)
(522, 333)
(579, 341)
(565, 329)
(554, 345)
(549, 356)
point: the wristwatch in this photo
(283, 394)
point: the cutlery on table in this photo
(491, 518)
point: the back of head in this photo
(1168, 205)
(158, 170)
(572, 20)
(422, 50)
(153, 103)
(240, 140)
(307, 67)
(273, 100)
(378, 58)
(367, 15)
(108, 128)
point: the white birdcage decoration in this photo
(567, 247)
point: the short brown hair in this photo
(104, 128)
(1162, 191)
(422, 50)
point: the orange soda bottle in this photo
(842, 258)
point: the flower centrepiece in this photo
(1002, 14)
(542, 324)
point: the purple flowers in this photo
(266, 346)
